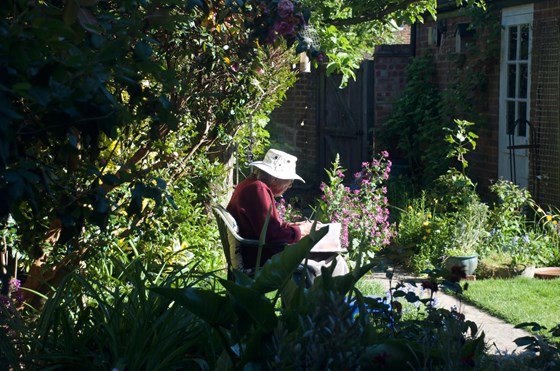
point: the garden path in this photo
(499, 334)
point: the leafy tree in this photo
(348, 31)
(105, 105)
(106, 108)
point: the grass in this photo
(518, 300)
(371, 287)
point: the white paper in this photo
(331, 241)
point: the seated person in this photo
(253, 200)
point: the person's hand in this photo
(306, 226)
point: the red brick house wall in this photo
(390, 62)
(545, 108)
(293, 128)
(484, 160)
(544, 100)
(293, 125)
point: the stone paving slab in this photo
(499, 335)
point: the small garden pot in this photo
(526, 270)
(470, 262)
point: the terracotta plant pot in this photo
(548, 272)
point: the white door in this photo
(515, 87)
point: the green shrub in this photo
(329, 326)
(414, 131)
(93, 324)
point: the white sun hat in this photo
(279, 164)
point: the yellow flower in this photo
(425, 223)
(429, 215)
(549, 217)
(424, 238)
(554, 222)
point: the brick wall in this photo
(294, 124)
(450, 63)
(545, 90)
(390, 63)
(293, 128)
(544, 93)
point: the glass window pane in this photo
(511, 80)
(522, 117)
(512, 45)
(523, 80)
(510, 117)
(524, 47)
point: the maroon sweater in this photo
(249, 205)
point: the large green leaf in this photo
(279, 269)
(213, 308)
(259, 308)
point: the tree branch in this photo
(368, 17)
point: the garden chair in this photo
(232, 242)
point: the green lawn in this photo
(514, 300)
(518, 300)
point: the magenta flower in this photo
(271, 37)
(285, 8)
(362, 210)
(284, 28)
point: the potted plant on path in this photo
(468, 220)
(468, 231)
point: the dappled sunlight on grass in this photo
(519, 299)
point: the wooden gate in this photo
(344, 119)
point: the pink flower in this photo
(285, 8)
